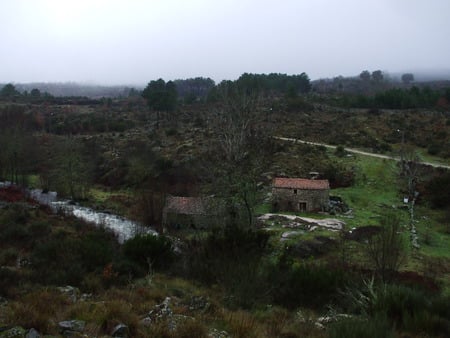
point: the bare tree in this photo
(241, 142)
(386, 249)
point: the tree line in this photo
(397, 98)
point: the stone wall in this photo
(297, 200)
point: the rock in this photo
(313, 248)
(159, 312)
(333, 318)
(69, 326)
(120, 330)
(292, 221)
(288, 234)
(176, 320)
(32, 333)
(15, 332)
(214, 333)
(337, 206)
(198, 303)
(362, 234)
(70, 291)
(164, 312)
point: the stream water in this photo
(122, 227)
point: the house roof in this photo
(300, 183)
(185, 205)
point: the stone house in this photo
(194, 212)
(300, 194)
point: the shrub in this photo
(233, 258)
(340, 151)
(38, 310)
(9, 280)
(309, 285)
(96, 249)
(405, 308)
(14, 233)
(40, 229)
(356, 328)
(8, 256)
(150, 249)
(57, 262)
(191, 328)
(438, 189)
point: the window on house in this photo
(295, 191)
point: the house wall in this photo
(285, 199)
(181, 221)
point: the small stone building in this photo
(193, 212)
(300, 194)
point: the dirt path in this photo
(355, 151)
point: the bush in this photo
(191, 328)
(356, 328)
(233, 258)
(40, 229)
(414, 310)
(9, 279)
(57, 262)
(438, 190)
(405, 308)
(340, 151)
(38, 310)
(14, 233)
(8, 256)
(308, 285)
(150, 249)
(97, 249)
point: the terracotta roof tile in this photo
(185, 205)
(300, 183)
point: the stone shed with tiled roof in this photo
(300, 194)
(195, 212)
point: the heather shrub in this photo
(65, 260)
(146, 250)
(8, 256)
(234, 259)
(357, 328)
(307, 284)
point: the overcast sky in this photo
(135, 41)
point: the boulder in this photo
(316, 247)
(159, 312)
(32, 333)
(362, 234)
(214, 333)
(70, 291)
(199, 303)
(15, 332)
(68, 327)
(121, 330)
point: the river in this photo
(121, 226)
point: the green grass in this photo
(264, 208)
(426, 157)
(375, 190)
(434, 232)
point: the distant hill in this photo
(75, 89)
(431, 75)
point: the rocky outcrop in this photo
(306, 223)
(69, 328)
(316, 247)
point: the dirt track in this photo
(355, 151)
